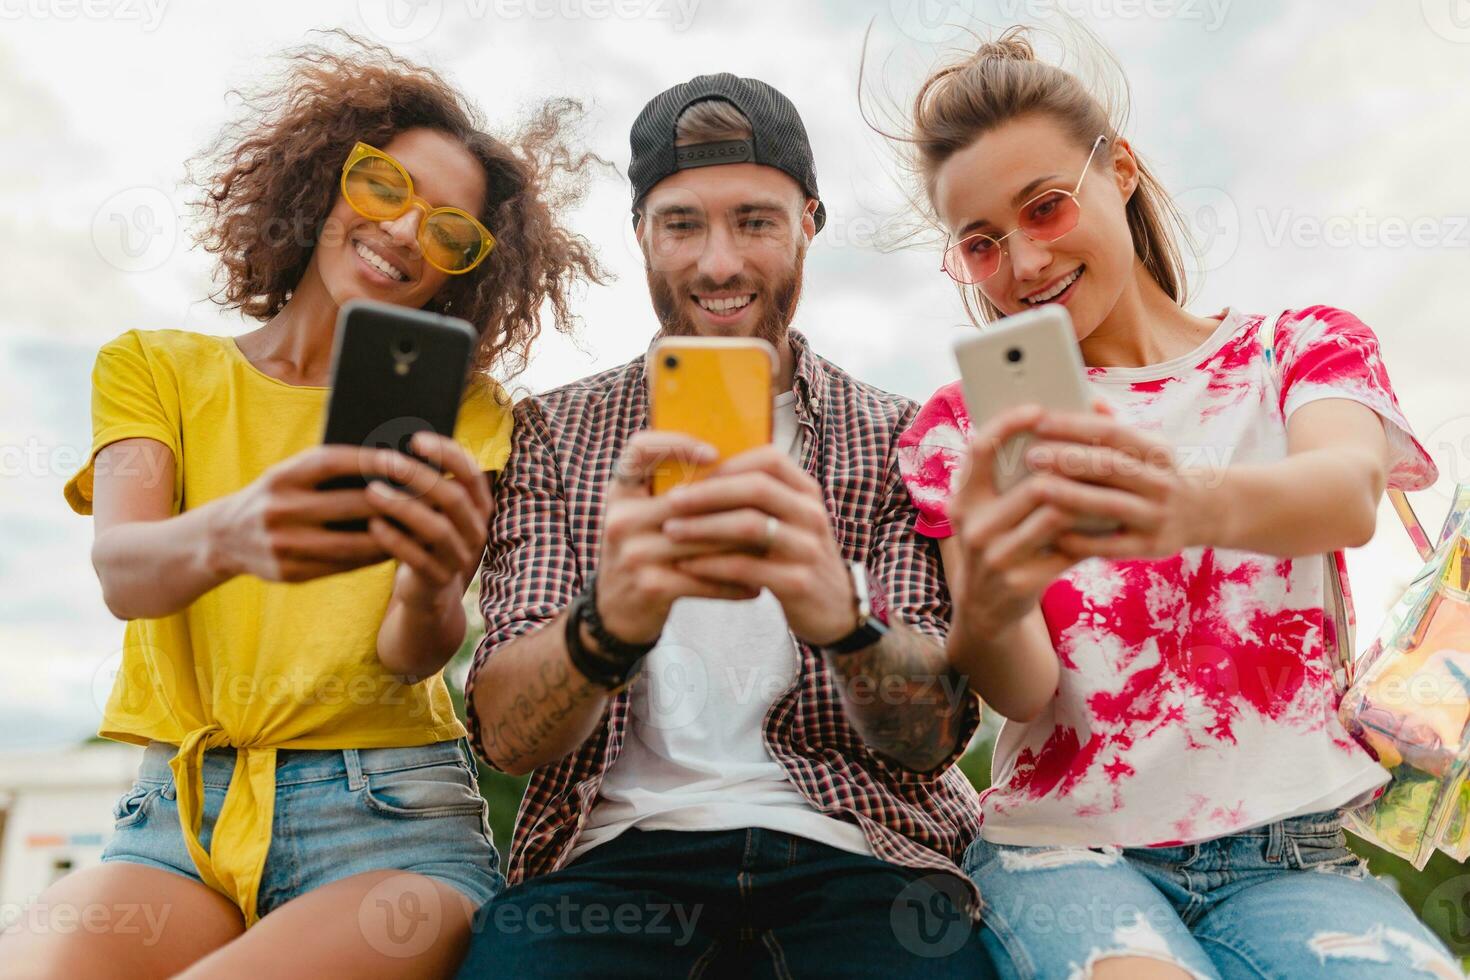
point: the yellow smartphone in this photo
(716, 389)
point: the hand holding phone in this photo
(1027, 359)
(273, 528)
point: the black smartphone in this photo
(395, 371)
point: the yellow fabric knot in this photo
(242, 833)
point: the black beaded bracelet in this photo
(600, 672)
(609, 668)
(606, 642)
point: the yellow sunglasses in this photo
(380, 189)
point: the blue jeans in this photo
(338, 812)
(736, 903)
(1285, 900)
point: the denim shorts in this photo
(1285, 900)
(338, 812)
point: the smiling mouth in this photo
(1057, 291)
(724, 305)
(379, 262)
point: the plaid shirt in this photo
(544, 543)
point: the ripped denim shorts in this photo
(1285, 900)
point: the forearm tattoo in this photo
(903, 697)
(520, 729)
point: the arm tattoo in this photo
(552, 694)
(903, 697)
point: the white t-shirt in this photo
(1196, 697)
(694, 756)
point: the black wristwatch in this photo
(870, 627)
(614, 662)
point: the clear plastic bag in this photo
(1409, 704)
(1455, 840)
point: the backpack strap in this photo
(1398, 498)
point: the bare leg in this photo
(1136, 968)
(377, 924)
(118, 920)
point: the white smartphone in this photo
(1029, 358)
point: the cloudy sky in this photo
(1318, 149)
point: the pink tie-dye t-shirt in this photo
(1196, 695)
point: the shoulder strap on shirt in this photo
(1398, 498)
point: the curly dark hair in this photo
(271, 177)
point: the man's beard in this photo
(777, 305)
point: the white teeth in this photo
(1057, 290)
(378, 262)
(725, 305)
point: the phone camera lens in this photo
(405, 345)
(1014, 355)
(671, 362)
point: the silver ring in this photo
(771, 526)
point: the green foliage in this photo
(503, 792)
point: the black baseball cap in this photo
(779, 140)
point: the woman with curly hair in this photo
(304, 767)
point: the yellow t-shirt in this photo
(253, 664)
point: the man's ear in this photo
(809, 219)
